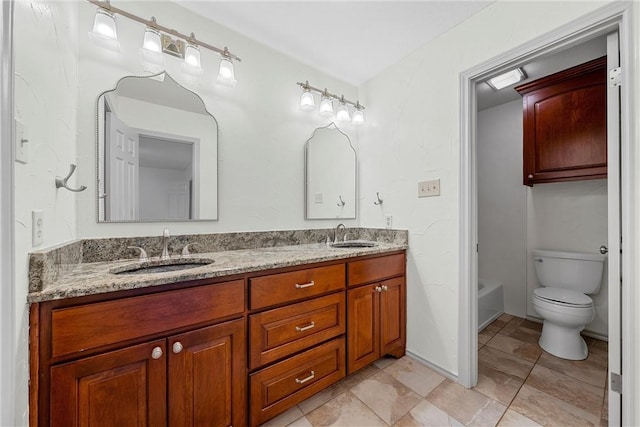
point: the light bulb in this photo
(358, 117)
(307, 103)
(226, 75)
(342, 115)
(152, 40)
(326, 106)
(104, 30)
(191, 63)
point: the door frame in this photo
(612, 17)
(7, 294)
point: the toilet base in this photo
(562, 341)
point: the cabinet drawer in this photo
(285, 287)
(280, 332)
(277, 388)
(81, 328)
(369, 270)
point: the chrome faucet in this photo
(165, 244)
(335, 235)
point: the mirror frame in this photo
(306, 175)
(99, 156)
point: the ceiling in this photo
(350, 40)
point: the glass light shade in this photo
(506, 79)
(342, 115)
(191, 63)
(326, 107)
(151, 40)
(358, 117)
(226, 75)
(307, 103)
(104, 32)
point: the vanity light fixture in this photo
(343, 113)
(158, 40)
(507, 79)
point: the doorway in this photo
(607, 20)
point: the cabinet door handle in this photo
(304, 380)
(156, 353)
(378, 289)
(530, 176)
(305, 285)
(384, 288)
(305, 328)
(177, 347)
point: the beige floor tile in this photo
(497, 385)
(504, 362)
(387, 397)
(344, 410)
(512, 325)
(605, 407)
(530, 324)
(513, 419)
(285, 418)
(550, 411)
(467, 406)
(383, 362)
(589, 371)
(521, 349)
(426, 414)
(506, 317)
(415, 375)
(494, 327)
(523, 334)
(574, 392)
(300, 422)
(483, 339)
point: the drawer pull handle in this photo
(177, 347)
(306, 328)
(304, 380)
(156, 353)
(305, 285)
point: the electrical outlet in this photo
(388, 221)
(319, 198)
(22, 146)
(37, 228)
(429, 188)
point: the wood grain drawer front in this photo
(277, 388)
(373, 269)
(286, 287)
(85, 327)
(283, 331)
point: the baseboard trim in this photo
(432, 366)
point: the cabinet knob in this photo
(530, 176)
(156, 353)
(378, 288)
(384, 288)
(177, 347)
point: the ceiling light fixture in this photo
(507, 79)
(157, 41)
(343, 113)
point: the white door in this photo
(614, 232)
(122, 171)
(179, 200)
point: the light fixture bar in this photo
(107, 6)
(328, 94)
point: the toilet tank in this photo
(569, 270)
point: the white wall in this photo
(46, 103)
(502, 203)
(262, 132)
(412, 134)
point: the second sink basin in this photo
(354, 244)
(161, 266)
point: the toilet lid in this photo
(563, 296)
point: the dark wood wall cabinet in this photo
(231, 351)
(565, 125)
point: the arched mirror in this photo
(157, 153)
(331, 175)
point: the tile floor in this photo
(518, 385)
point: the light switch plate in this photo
(388, 221)
(429, 188)
(22, 143)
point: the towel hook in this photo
(379, 202)
(342, 202)
(62, 182)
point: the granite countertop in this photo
(88, 278)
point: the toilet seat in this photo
(563, 297)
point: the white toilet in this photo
(566, 278)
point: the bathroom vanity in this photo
(235, 342)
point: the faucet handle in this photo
(185, 250)
(143, 253)
(165, 233)
(345, 237)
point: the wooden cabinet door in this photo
(393, 317)
(207, 382)
(363, 327)
(121, 388)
